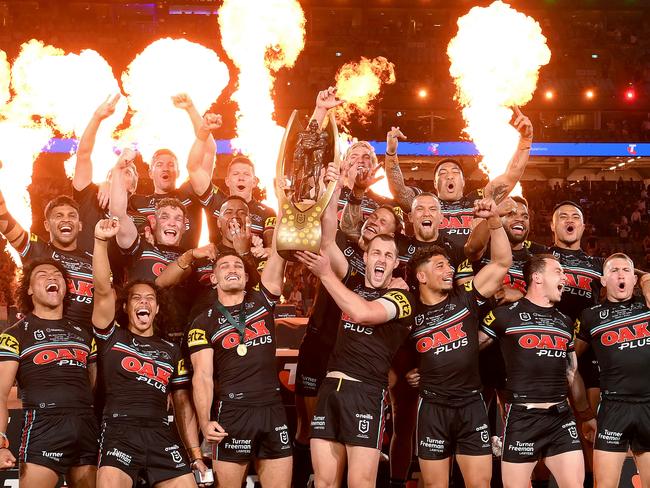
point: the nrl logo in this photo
(39, 335)
(524, 316)
(364, 426)
(411, 249)
(348, 251)
(284, 437)
(604, 314)
(485, 436)
(419, 320)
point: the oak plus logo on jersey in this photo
(63, 356)
(256, 334)
(578, 284)
(82, 291)
(627, 337)
(457, 225)
(147, 372)
(548, 345)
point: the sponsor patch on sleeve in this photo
(196, 337)
(489, 318)
(404, 308)
(469, 285)
(9, 343)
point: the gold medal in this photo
(242, 349)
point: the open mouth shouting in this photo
(517, 228)
(241, 187)
(65, 229)
(427, 223)
(450, 186)
(52, 288)
(371, 228)
(143, 315)
(232, 277)
(379, 271)
(170, 233)
(570, 228)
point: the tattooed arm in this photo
(502, 185)
(403, 194)
(351, 220)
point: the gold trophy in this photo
(302, 197)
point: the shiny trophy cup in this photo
(302, 163)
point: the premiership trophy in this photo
(302, 196)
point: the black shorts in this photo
(623, 424)
(350, 412)
(253, 431)
(59, 438)
(444, 430)
(313, 356)
(536, 433)
(139, 447)
(588, 368)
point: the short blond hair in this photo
(366, 145)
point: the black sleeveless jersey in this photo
(619, 335)
(53, 358)
(534, 342)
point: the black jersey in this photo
(144, 205)
(252, 376)
(138, 372)
(515, 275)
(79, 267)
(262, 217)
(583, 273)
(407, 247)
(534, 342)
(326, 314)
(53, 358)
(365, 352)
(445, 337)
(457, 218)
(369, 202)
(618, 333)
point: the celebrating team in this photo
(123, 314)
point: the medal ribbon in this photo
(241, 325)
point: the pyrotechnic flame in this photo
(5, 78)
(495, 60)
(165, 68)
(261, 37)
(64, 89)
(359, 85)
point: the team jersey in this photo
(583, 273)
(365, 352)
(142, 206)
(138, 372)
(250, 377)
(445, 337)
(53, 358)
(147, 262)
(515, 275)
(369, 203)
(79, 267)
(618, 333)
(457, 218)
(261, 216)
(326, 314)
(534, 342)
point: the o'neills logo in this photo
(63, 356)
(626, 336)
(151, 374)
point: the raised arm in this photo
(12, 230)
(360, 310)
(8, 372)
(128, 232)
(273, 274)
(502, 185)
(490, 278)
(479, 238)
(403, 194)
(181, 268)
(200, 161)
(329, 226)
(83, 170)
(352, 218)
(104, 297)
(325, 100)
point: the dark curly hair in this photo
(23, 298)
